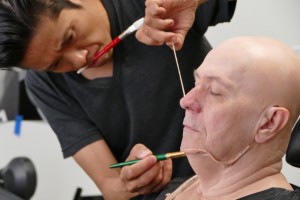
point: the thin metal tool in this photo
(159, 157)
(179, 73)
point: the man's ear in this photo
(274, 120)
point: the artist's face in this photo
(70, 42)
(221, 113)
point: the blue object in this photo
(18, 124)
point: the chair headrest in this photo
(293, 151)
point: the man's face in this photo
(222, 110)
(70, 42)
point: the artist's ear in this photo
(274, 120)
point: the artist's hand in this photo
(148, 175)
(167, 21)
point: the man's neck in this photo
(248, 175)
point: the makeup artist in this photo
(130, 95)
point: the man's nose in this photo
(191, 101)
(77, 57)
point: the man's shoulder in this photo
(33, 76)
(275, 194)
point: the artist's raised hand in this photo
(148, 175)
(167, 21)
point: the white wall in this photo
(278, 19)
(274, 18)
(58, 179)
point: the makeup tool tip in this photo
(82, 69)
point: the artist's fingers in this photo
(151, 36)
(139, 168)
(140, 174)
(166, 175)
(167, 171)
(151, 181)
(139, 151)
(179, 41)
(160, 24)
(144, 38)
(154, 17)
(153, 8)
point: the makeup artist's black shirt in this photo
(140, 102)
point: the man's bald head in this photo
(267, 67)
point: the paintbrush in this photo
(131, 29)
(159, 157)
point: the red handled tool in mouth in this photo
(131, 29)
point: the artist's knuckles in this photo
(127, 174)
(132, 188)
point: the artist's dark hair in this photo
(18, 21)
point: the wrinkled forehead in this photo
(245, 69)
(265, 69)
(233, 65)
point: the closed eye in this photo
(215, 93)
(52, 67)
(68, 40)
(215, 90)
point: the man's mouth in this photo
(187, 128)
(101, 60)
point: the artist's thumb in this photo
(177, 44)
(139, 151)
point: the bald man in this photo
(238, 122)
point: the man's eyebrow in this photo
(64, 37)
(59, 47)
(220, 81)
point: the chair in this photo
(79, 197)
(293, 151)
(18, 179)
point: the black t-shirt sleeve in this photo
(63, 113)
(213, 12)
